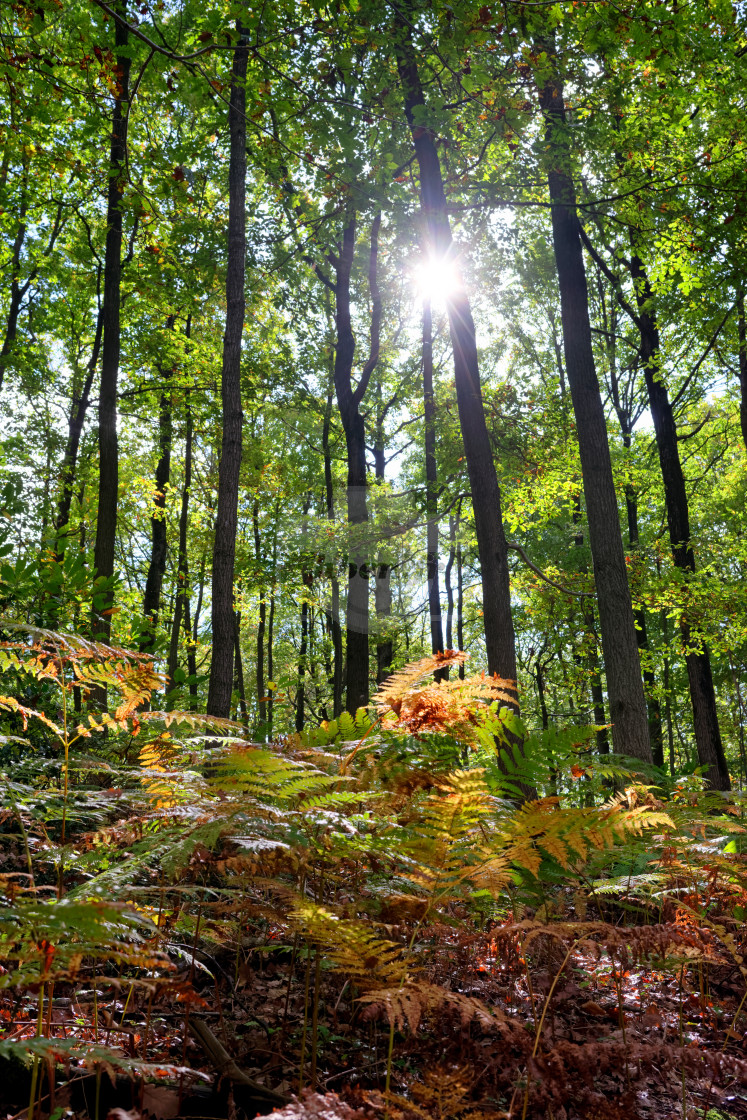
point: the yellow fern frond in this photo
(10, 704)
(351, 946)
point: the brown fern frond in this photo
(405, 1006)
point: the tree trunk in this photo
(307, 579)
(181, 604)
(76, 421)
(17, 290)
(447, 583)
(593, 667)
(383, 588)
(348, 402)
(697, 658)
(106, 524)
(539, 676)
(270, 659)
(460, 601)
(333, 613)
(239, 669)
(157, 566)
(262, 624)
(619, 643)
(653, 706)
(622, 404)
(742, 368)
(431, 487)
(224, 551)
(302, 654)
(486, 497)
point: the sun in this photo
(435, 280)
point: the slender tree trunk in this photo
(460, 603)
(191, 644)
(224, 551)
(239, 669)
(431, 486)
(307, 579)
(270, 660)
(447, 583)
(106, 524)
(262, 624)
(697, 657)
(383, 588)
(539, 676)
(200, 592)
(76, 421)
(668, 693)
(333, 613)
(17, 290)
(653, 706)
(352, 422)
(181, 603)
(486, 496)
(619, 643)
(348, 402)
(302, 654)
(271, 626)
(621, 403)
(593, 667)
(742, 368)
(157, 565)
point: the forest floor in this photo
(597, 1040)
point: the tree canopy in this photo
(338, 339)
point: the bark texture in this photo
(181, 620)
(619, 643)
(76, 420)
(431, 487)
(486, 496)
(697, 657)
(106, 524)
(224, 550)
(332, 613)
(349, 399)
(157, 564)
(742, 368)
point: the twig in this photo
(226, 1066)
(538, 572)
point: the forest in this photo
(373, 615)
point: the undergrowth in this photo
(373, 906)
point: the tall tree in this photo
(431, 483)
(106, 522)
(224, 550)
(382, 567)
(742, 367)
(697, 656)
(440, 249)
(617, 625)
(332, 612)
(349, 398)
(158, 548)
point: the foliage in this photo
(211, 845)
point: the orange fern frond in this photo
(396, 687)
(452, 707)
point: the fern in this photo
(351, 946)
